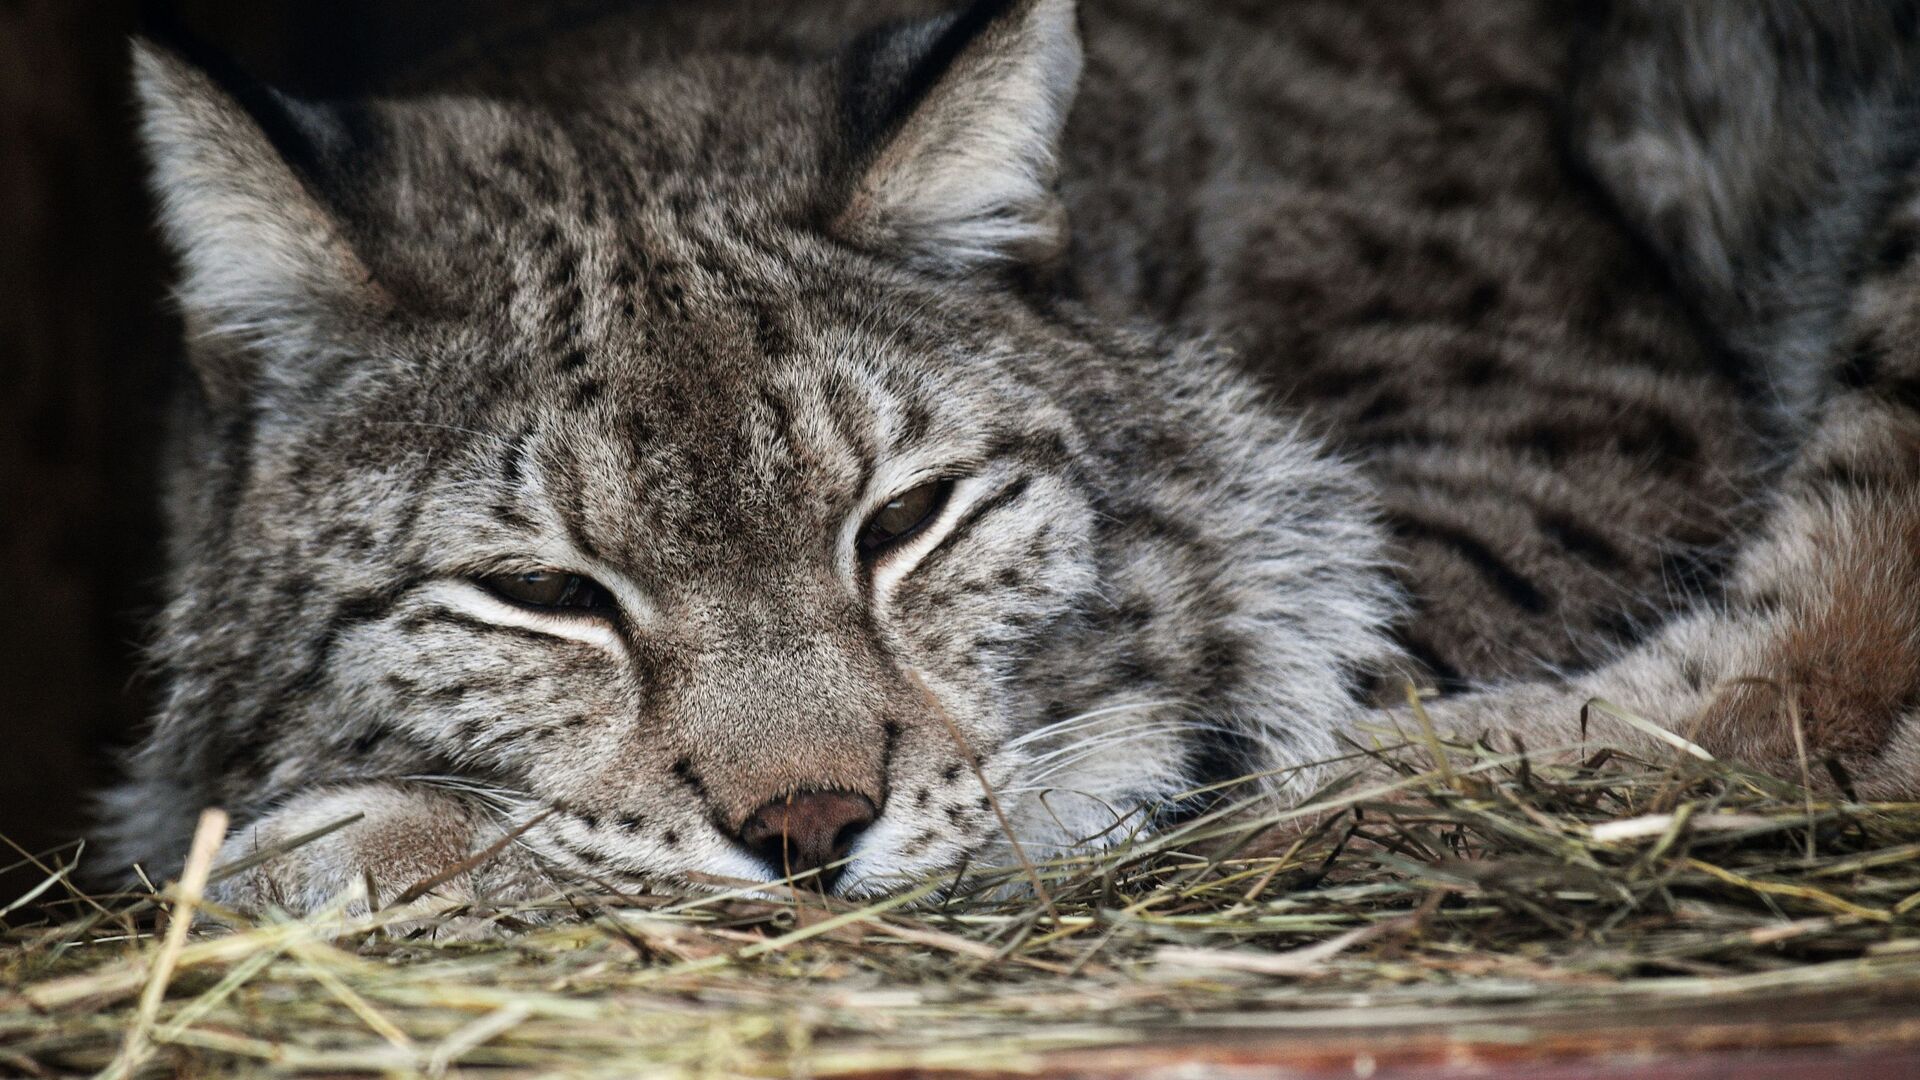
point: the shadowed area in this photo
(91, 348)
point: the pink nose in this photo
(807, 830)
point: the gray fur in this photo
(593, 341)
(1759, 144)
(1297, 359)
(1769, 150)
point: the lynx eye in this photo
(548, 590)
(903, 516)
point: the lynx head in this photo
(706, 457)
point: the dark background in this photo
(88, 349)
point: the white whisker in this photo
(1081, 719)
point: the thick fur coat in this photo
(1251, 358)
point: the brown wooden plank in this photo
(1852, 1036)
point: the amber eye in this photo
(548, 590)
(904, 515)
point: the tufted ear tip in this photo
(964, 174)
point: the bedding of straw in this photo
(1476, 885)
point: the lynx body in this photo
(709, 442)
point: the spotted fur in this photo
(1274, 350)
(1757, 144)
(685, 338)
(1769, 150)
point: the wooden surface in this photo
(1845, 1035)
(1461, 1062)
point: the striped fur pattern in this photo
(1373, 208)
(1769, 150)
(642, 339)
(1811, 653)
(1271, 350)
(1755, 144)
(1389, 235)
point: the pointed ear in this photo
(265, 267)
(965, 149)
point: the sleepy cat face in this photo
(709, 468)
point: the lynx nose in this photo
(807, 830)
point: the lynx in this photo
(742, 442)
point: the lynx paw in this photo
(398, 839)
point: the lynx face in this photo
(703, 463)
(668, 576)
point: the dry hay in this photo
(1483, 887)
